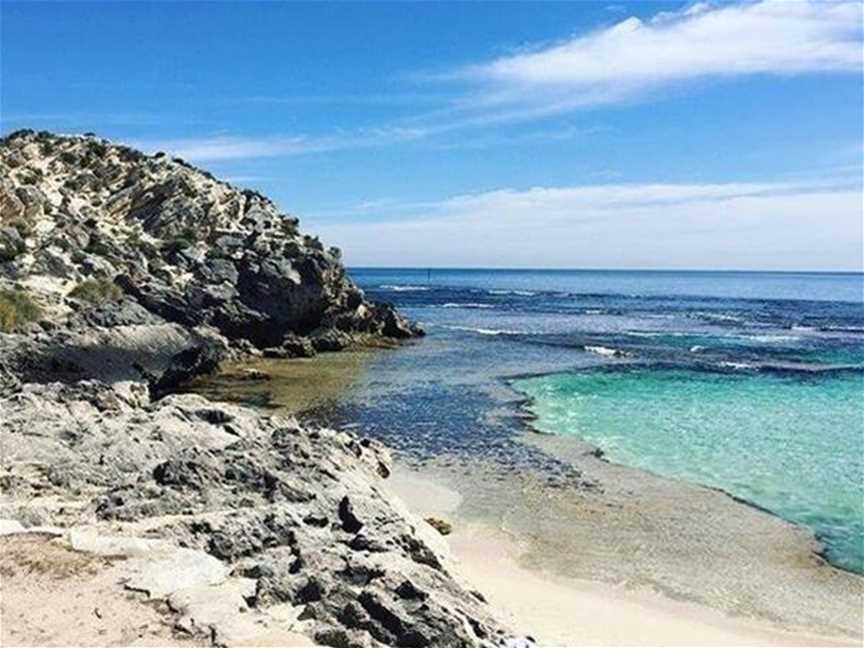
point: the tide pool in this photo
(793, 445)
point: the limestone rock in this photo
(187, 250)
(202, 495)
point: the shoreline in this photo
(635, 530)
(522, 403)
(567, 611)
(693, 547)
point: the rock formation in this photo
(298, 515)
(121, 276)
(173, 258)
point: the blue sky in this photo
(582, 134)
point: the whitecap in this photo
(522, 293)
(483, 331)
(605, 351)
(771, 338)
(467, 305)
(736, 365)
(398, 288)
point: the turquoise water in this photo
(793, 446)
(747, 381)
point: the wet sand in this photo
(563, 610)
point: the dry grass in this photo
(96, 291)
(30, 553)
(17, 308)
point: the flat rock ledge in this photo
(246, 525)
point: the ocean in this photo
(752, 383)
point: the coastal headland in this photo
(136, 513)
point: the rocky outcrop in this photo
(143, 272)
(102, 236)
(297, 514)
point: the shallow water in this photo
(751, 382)
(780, 441)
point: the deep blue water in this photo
(731, 379)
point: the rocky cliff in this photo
(96, 236)
(121, 275)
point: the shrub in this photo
(21, 223)
(96, 291)
(17, 308)
(8, 251)
(182, 241)
(99, 247)
(10, 247)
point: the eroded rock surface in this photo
(103, 237)
(138, 273)
(298, 513)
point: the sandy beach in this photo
(567, 611)
(583, 551)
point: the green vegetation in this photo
(182, 241)
(96, 291)
(177, 245)
(21, 223)
(99, 247)
(9, 248)
(17, 308)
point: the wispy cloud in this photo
(229, 147)
(771, 37)
(759, 225)
(631, 59)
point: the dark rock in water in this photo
(202, 358)
(331, 340)
(253, 374)
(442, 527)
(293, 346)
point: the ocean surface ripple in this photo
(748, 382)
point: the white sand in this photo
(52, 595)
(568, 612)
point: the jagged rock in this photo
(293, 346)
(284, 516)
(190, 249)
(296, 516)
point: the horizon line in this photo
(574, 269)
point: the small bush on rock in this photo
(99, 248)
(96, 291)
(180, 242)
(11, 244)
(17, 308)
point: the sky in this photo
(664, 135)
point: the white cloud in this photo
(229, 147)
(777, 37)
(709, 226)
(618, 63)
